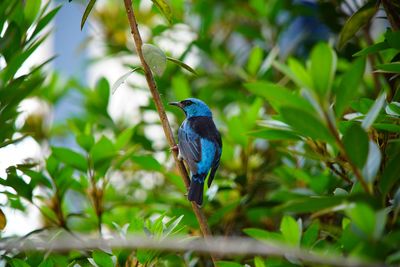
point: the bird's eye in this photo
(187, 103)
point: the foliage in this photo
(310, 133)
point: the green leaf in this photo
(310, 236)
(323, 67)
(31, 10)
(155, 58)
(274, 135)
(393, 39)
(390, 174)
(85, 141)
(355, 141)
(373, 163)
(389, 67)
(291, 230)
(172, 226)
(123, 78)
(263, 235)
(372, 49)
(228, 264)
(348, 86)
(182, 65)
(300, 72)
(44, 21)
(124, 138)
(102, 259)
(306, 124)
(259, 262)
(102, 150)
(255, 59)
(164, 8)
(374, 111)
(18, 263)
(363, 217)
(70, 157)
(356, 21)
(147, 162)
(278, 96)
(46, 263)
(88, 9)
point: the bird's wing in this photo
(189, 146)
(217, 156)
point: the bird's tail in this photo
(196, 190)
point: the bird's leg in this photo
(176, 148)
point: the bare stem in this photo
(163, 116)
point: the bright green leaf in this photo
(102, 150)
(70, 157)
(300, 72)
(46, 263)
(259, 262)
(263, 235)
(18, 263)
(255, 59)
(372, 49)
(228, 264)
(323, 67)
(124, 138)
(31, 9)
(363, 217)
(291, 230)
(85, 141)
(102, 259)
(147, 162)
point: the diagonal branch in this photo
(163, 117)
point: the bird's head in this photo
(193, 107)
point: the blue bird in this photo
(199, 144)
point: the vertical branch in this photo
(163, 117)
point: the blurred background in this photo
(78, 157)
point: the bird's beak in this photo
(178, 104)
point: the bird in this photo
(199, 145)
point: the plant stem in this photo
(163, 116)
(342, 149)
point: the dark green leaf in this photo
(349, 84)
(389, 67)
(391, 174)
(263, 235)
(274, 134)
(70, 157)
(355, 141)
(310, 236)
(393, 39)
(85, 141)
(363, 218)
(306, 124)
(182, 65)
(372, 49)
(47, 263)
(356, 21)
(88, 9)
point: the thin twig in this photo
(221, 245)
(163, 116)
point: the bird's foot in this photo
(176, 149)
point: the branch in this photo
(222, 245)
(163, 116)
